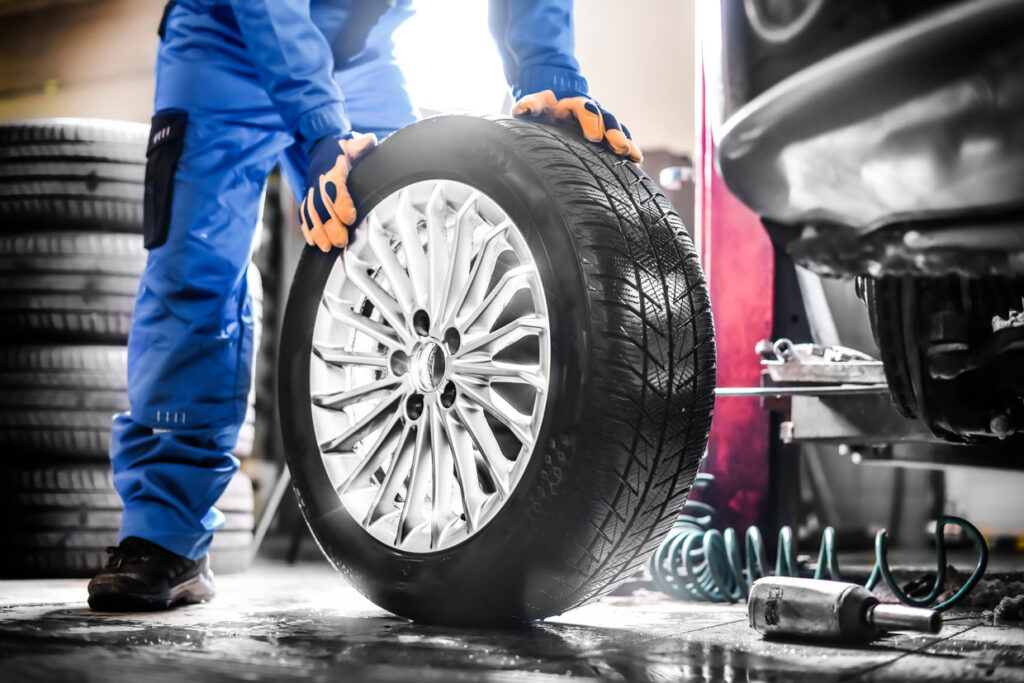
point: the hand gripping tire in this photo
(496, 399)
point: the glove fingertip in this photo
(322, 241)
(306, 234)
(337, 233)
(617, 141)
(592, 131)
(359, 146)
(634, 152)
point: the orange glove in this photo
(597, 124)
(327, 211)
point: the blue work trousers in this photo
(190, 352)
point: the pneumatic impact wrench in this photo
(786, 607)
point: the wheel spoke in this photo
(516, 422)
(376, 456)
(456, 278)
(389, 308)
(491, 371)
(414, 513)
(473, 497)
(394, 273)
(341, 356)
(407, 219)
(490, 452)
(474, 289)
(339, 400)
(505, 336)
(437, 249)
(494, 304)
(444, 474)
(394, 478)
(341, 312)
(368, 423)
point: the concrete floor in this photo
(280, 623)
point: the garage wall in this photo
(79, 59)
(639, 59)
(95, 58)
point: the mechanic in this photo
(242, 86)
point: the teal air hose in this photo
(698, 562)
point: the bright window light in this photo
(449, 58)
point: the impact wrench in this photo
(789, 607)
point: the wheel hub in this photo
(429, 366)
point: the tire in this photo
(930, 333)
(64, 517)
(92, 486)
(77, 287)
(101, 521)
(230, 553)
(72, 252)
(58, 401)
(72, 173)
(629, 395)
(885, 314)
(68, 138)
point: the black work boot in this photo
(141, 576)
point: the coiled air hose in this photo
(698, 562)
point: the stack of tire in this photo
(70, 259)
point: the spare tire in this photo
(72, 173)
(58, 401)
(64, 517)
(78, 287)
(497, 397)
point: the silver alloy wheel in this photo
(430, 366)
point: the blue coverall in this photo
(259, 81)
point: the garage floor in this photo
(279, 623)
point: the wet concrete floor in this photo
(280, 623)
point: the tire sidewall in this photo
(498, 570)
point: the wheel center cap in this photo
(427, 366)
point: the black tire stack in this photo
(70, 259)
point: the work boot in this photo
(141, 576)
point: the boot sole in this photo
(199, 588)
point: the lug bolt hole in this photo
(452, 339)
(421, 323)
(448, 395)
(414, 407)
(399, 363)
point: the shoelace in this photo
(130, 551)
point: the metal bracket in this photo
(811, 369)
(833, 395)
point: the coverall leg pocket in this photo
(166, 140)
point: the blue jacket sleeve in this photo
(537, 45)
(295, 63)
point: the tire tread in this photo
(638, 263)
